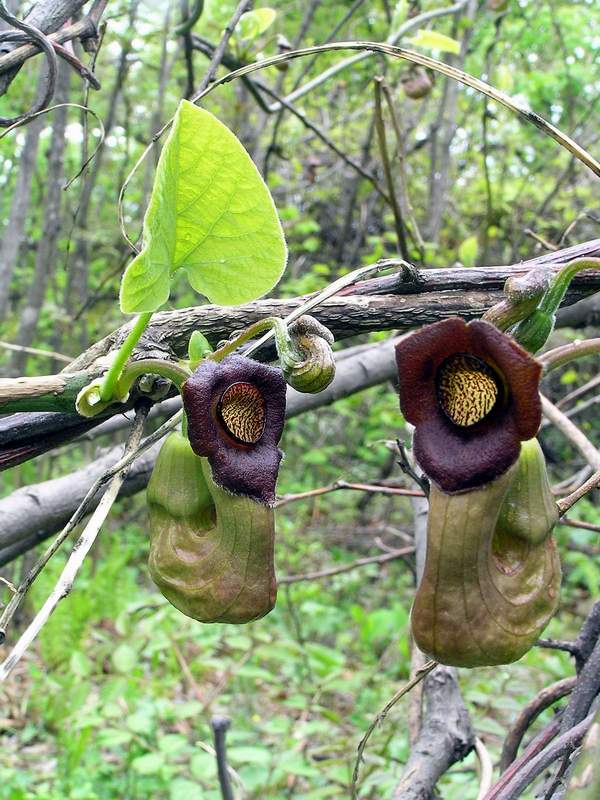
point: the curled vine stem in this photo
(90, 401)
(46, 46)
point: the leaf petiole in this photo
(109, 383)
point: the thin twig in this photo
(220, 48)
(35, 351)
(562, 745)
(543, 700)
(579, 523)
(387, 171)
(559, 644)
(219, 726)
(361, 562)
(572, 433)
(84, 108)
(405, 197)
(486, 768)
(337, 485)
(565, 503)
(78, 66)
(536, 746)
(540, 240)
(419, 676)
(569, 352)
(80, 549)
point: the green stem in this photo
(269, 323)
(152, 366)
(109, 383)
(559, 285)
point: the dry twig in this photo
(78, 554)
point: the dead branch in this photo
(30, 515)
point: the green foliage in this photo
(255, 22)
(432, 40)
(211, 215)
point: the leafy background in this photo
(115, 699)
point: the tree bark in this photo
(14, 231)
(47, 246)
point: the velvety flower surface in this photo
(472, 394)
(235, 410)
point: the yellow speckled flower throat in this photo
(467, 389)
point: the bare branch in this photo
(543, 700)
(360, 562)
(76, 559)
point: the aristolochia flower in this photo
(472, 394)
(235, 410)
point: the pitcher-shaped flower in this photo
(472, 394)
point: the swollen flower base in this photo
(488, 589)
(211, 553)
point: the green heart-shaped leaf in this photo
(210, 214)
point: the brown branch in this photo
(391, 302)
(579, 523)
(569, 352)
(569, 501)
(535, 747)
(573, 434)
(220, 48)
(382, 558)
(561, 746)
(337, 485)
(543, 700)
(43, 44)
(82, 29)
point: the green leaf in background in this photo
(253, 23)
(467, 252)
(435, 41)
(210, 214)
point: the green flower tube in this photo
(487, 592)
(529, 509)
(211, 552)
